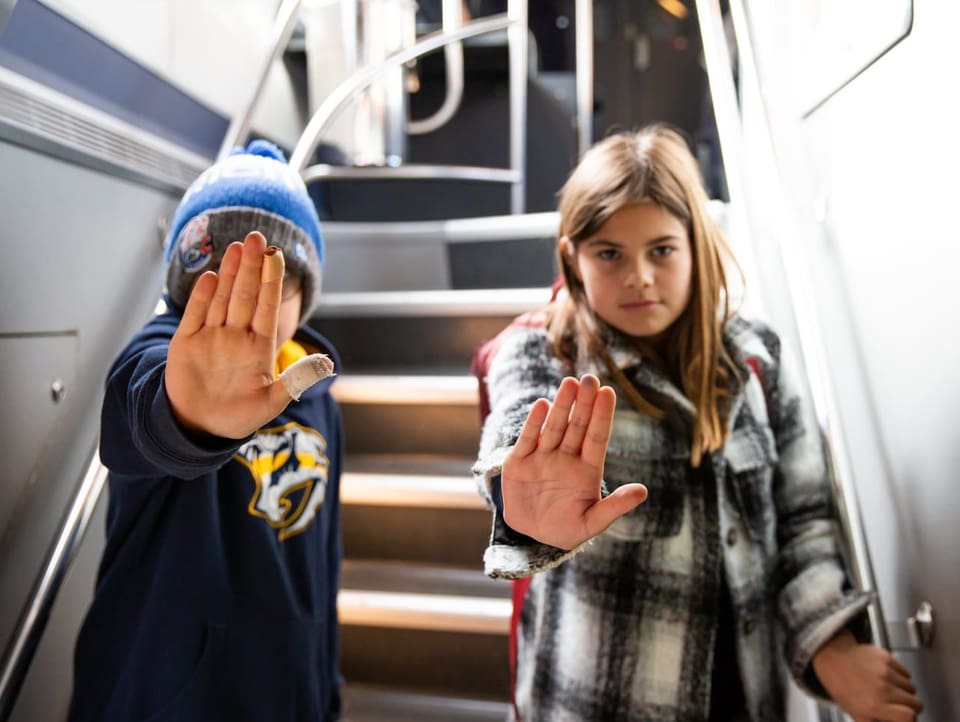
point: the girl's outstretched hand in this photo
(866, 681)
(219, 374)
(551, 477)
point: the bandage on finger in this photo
(273, 265)
(301, 375)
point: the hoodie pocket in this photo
(255, 670)
(193, 701)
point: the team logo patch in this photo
(196, 244)
(289, 466)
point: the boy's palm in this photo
(219, 374)
(551, 478)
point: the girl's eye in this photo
(608, 254)
(662, 251)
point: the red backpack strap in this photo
(519, 593)
(755, 367)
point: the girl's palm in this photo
(551, 478)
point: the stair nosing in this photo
(409, 490)
(446, 390)
(437, 303)
(433, 612)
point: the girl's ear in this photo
(569, 253)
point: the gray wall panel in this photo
(82, 262)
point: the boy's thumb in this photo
(298, 377)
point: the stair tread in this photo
(410, 490)
(373, 703)
(438, 464)
(416, 577)
(435, 612)
(507, 302)
(424, 389)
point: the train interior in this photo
(434, 137)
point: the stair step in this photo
(458, 664)
(392, 576)
(428, 535)
(433, 612)
(434, 304)
(410, 414)
(426, 464)
(406, 490)
(371, 703)
(445, 390)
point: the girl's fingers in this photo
(266, 315)
(901, 680)
(530, 433)
(246, 287)
(897, 666)
(195, 312)
(597, 437)
(897, 713)
(556, 424)
(903, 698)
(580, 415)
(229, 265)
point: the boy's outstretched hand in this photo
(551, 477)
(219, 374)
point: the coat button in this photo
(749, 623)
(731, 536)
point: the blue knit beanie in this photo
(252, 190)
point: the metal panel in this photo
(82, 255)
(31, 365)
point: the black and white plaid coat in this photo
(623, 627)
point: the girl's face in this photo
(637, 269)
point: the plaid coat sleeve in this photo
(523, 370)
(814, 597)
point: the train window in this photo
(839, 40)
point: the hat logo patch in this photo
(196, 244)
(300, 252)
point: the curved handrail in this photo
(32, 621)
(724, 95)
(282, 30)
(453, 56)
(357, 82)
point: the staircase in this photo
(424, 632)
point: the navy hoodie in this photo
(216, 595)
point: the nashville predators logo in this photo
(289, 467)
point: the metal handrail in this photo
(283, 26)
(723, 92)
(33, 618)
(356, 83)
(583, 73)
(453, 57)
(411, 171)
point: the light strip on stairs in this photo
(447, 492)
(445, 390)
(435, 612)
(440, 304)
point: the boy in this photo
(216, 596)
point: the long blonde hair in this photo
(653, 164)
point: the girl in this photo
(679, 609)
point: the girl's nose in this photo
(640, 274)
